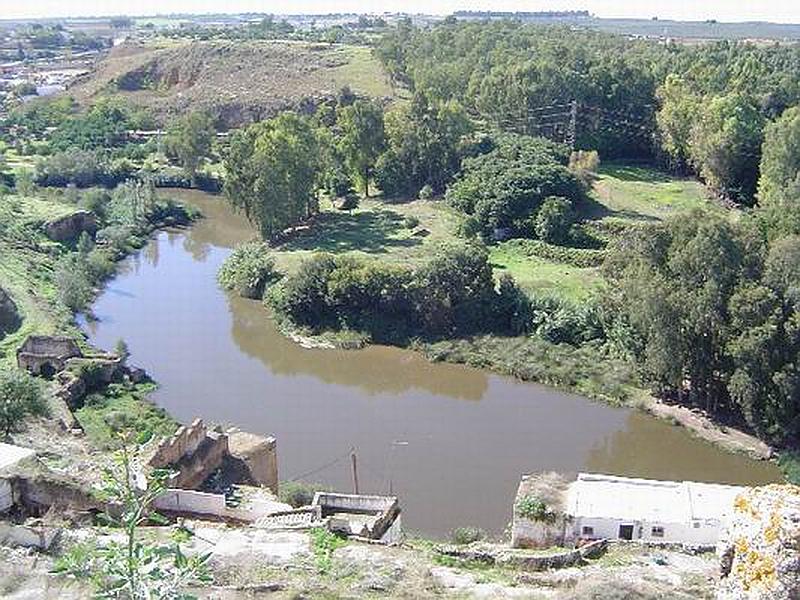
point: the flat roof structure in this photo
(630, 499)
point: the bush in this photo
(410, 222)
(426, 193)
(248, 270)
(467, 535)
(534, 508)
(553, 220)
(584, 163)
(20, 396)
(298, 493)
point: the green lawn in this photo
(362, 72)
(403, 233)
(644, 193)
(534, 274)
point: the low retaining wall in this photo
(526, 560)
(249, 510)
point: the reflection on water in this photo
(450, 441)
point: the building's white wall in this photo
(683, 533)
(203, 503)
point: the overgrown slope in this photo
(237, 82)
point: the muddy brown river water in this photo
(450, 441)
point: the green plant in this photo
(467, 535)
(134, 569)
(248, 270)
(323, 545)
(534, 508)
(298, 493)
(20, 396)
(410, 222)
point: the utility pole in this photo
(355, 469)
(573, 124)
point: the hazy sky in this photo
(787, 11)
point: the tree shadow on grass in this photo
(636, 173)
(369, 231)
(592, 210)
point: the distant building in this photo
(608, 507)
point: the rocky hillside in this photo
(237, 82)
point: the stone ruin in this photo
(69, 227)
(47, 355)
(551, 489)
(195, 453)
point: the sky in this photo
(784, 11)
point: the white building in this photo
(597, 506)
(604, 506)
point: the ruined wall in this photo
(69, 227)
(46, 355)
(252, 507)
(257, 458)
(182, 443)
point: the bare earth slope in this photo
(237, 81)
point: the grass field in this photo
(407, 232)
(26, 269)
(643, 193)
(402, 233)
(535, 274)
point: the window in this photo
(587, 531)
(657, 531)
(696, 524)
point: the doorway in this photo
(626, 532)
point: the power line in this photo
(322, 468)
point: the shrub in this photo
(20, 396)
(298, 493)
(410, 222)
(584, 163)
(554, 219)
(467, 535)
(248, 270)
(426, 193)
(534, 508)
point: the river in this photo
(450, 441)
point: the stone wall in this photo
(182, 443)
(28, 536)
(550, 488)
(255, 457)
(69, 227)
(46, 355)
(759, 550)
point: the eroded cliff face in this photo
(759, 550)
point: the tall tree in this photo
(726, 146)
(363, 138)
(780, 160)
(273, 171)
(189, 140)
